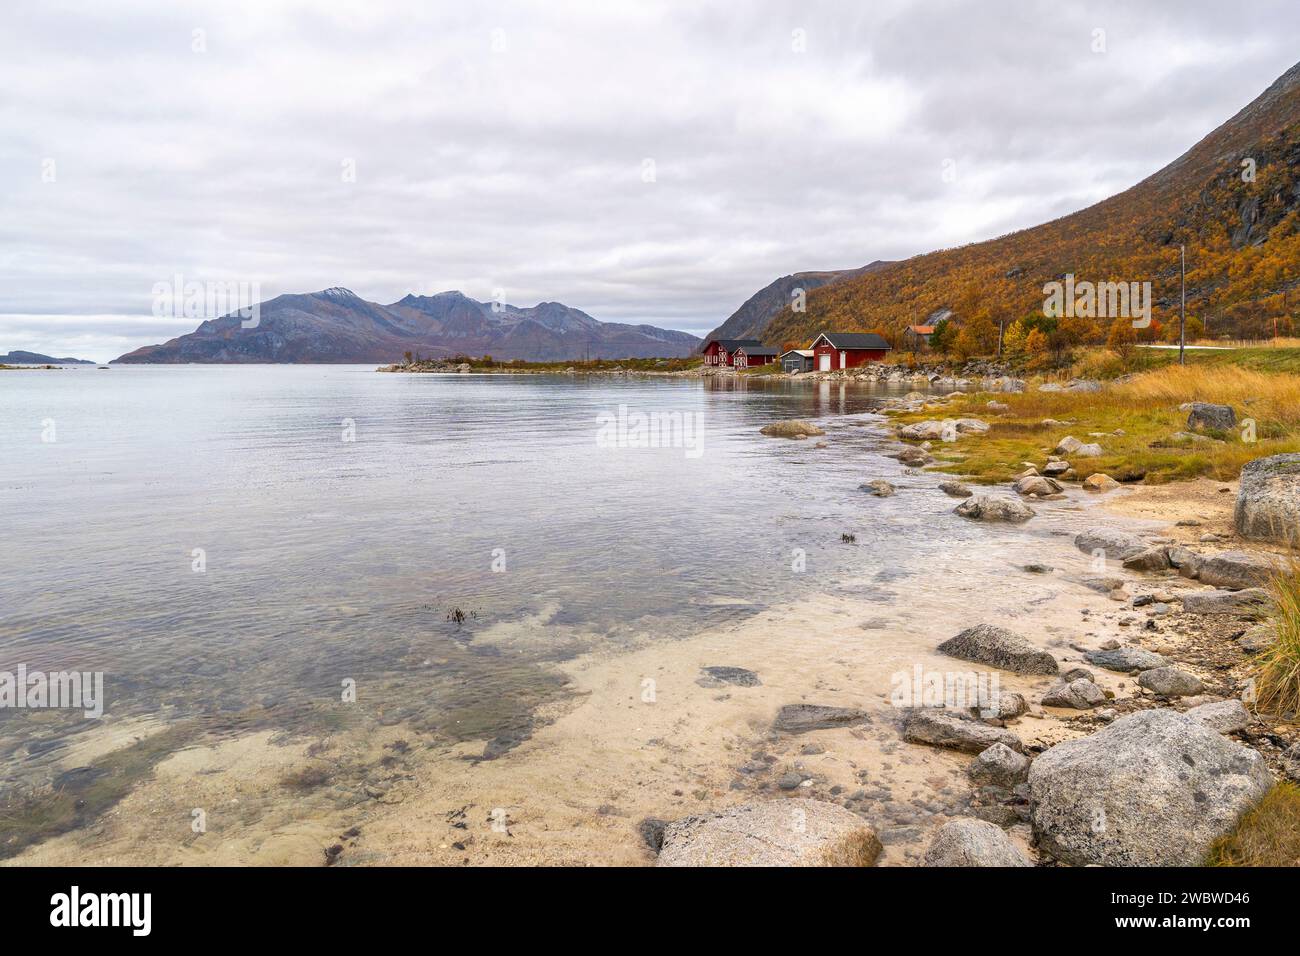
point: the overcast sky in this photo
(643, 162)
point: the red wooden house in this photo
(723, 351)
(747, 356)
(838, 350)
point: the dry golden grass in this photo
(1277, 675)
(860, 848)
(1266, 397)
(1268, 835)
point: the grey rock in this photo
(1125, 659)
(789, 781)
(1248, 601)
(1054, 468)
(798, 718)
(1038, 568)
(999, 647)
(986, 508)
(1258, 639)
(793, 832)
(1268, 500)
(1036, 485)
(651, 830)
(969, 842)
(1114, 545)
(940, 728)
(1224, 716)
(914, 457)
(998, 766)
(1150, 559)
(1236, 569)
(955, 489)
(1217, 417)
(1090, 450)
(718, 675)
(879, 487)
(1010, 705)
(1170, 682)
(1154, 788)
(1078, 694)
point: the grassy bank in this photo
(1134, 421)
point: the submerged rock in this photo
(772, 833)
(716, 676)
(1155, 788)
(999, 647)
(799, 718)
(792, 428)
(955, 489)
(1268, 500)
(970, 842)
(879, 487)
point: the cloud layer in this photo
(643, 162)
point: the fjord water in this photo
(235, 546)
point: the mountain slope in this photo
(336, 325)
(18, 357)
(757, 312)
(1241, 237)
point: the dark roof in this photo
(856, 340)
(802, 353)
(759, 350)
(732, 344)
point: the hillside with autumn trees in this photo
(1233, 199)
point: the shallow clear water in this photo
(343, 514)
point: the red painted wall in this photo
(852, 357)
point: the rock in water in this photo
(955, 489)
(772, 833)
(1268, 502)
(880, 488)
(718, 675)
(1113, 545)
(940, 728)
(989, 644)
(1236, 569)
(798, 718)
(1099, 482)
(1037, 485)
(1218, 417)
(984, 508)
(969, 842)
(1170, 682)
(794, 428)
(998, 766)
(1154, 788)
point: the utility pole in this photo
(1182, 309)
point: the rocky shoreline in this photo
(1154, 752)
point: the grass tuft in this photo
(1268, 835)
(1277, 677)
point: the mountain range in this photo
(1233, 200)
(337, 325)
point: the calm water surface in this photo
(339, 516)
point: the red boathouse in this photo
(723, 351)
(833, 351)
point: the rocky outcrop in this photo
(941, 728)
(999, 647)
(970, 842)
(799, 718)
(1236, 569)
(771, 833)
(793, 428)
(1154, 788)
(1268, 500)
(986, 508)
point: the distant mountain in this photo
(336, 325)
(36, 358)
(1233, 200)
(758, 311)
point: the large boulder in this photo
(941, 728)
(989, 644)
(1236, 569)
(771, 833)
(1247, 601)
(930, 430)
(986, 508)
(1155, 788)
(969, 842)
(793, 428)
(1222, 716)
(1170, 682)
(1155, 558)
(1037, 485)
(1218, 417)
(1268, 501)
(1113, 545)
(1099, 482)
